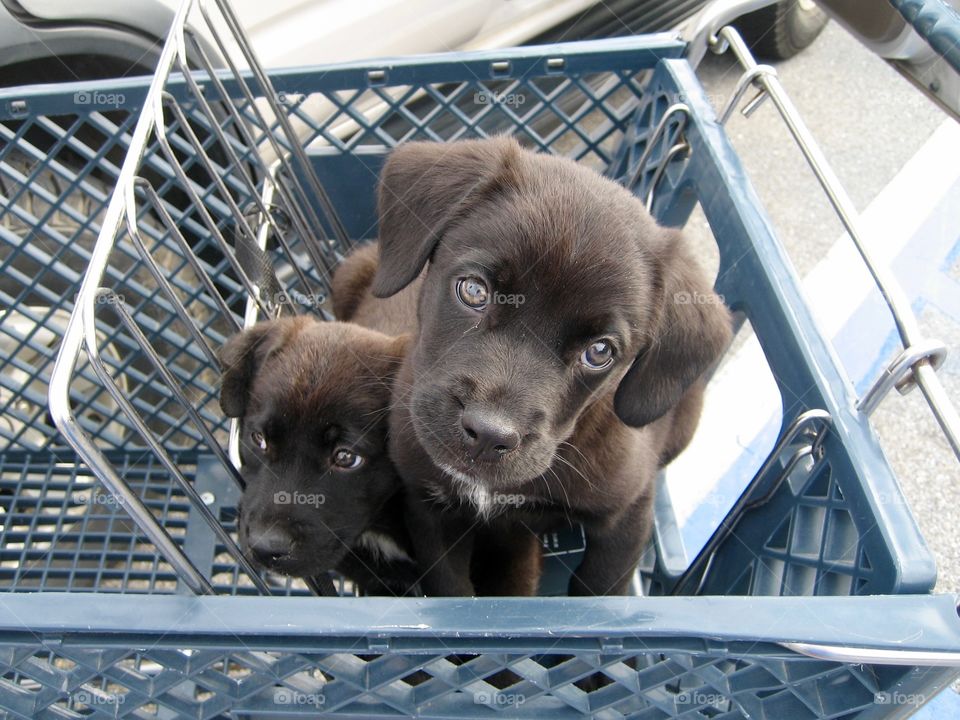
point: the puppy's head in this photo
(548, 288)
(312, 400)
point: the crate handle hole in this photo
(556, 64)
(377, 77)
(500, 68)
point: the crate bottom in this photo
(60, 531)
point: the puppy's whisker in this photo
(546, 486)
(377, 414)
(577, 450)
(590, 484)
(585, 459)
(566, 504)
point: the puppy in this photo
(561, 337)
(320, 490)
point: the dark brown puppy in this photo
(561, 340)
(321, 492)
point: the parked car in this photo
(54, 41)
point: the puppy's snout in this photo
(486, 435)
(271, 546)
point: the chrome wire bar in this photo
(680, 110)
(917, 363)
(317, 191)
(81, 331)
(157, 448)
(223, 139)
(875, 656)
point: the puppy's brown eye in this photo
(473, 292)
(598, 356)
(259, 440)
(346, 460)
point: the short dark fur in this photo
(589, 262)
(310, 387)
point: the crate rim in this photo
(660, 46)
(929, 623)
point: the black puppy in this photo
(321, 492)
(557, 364)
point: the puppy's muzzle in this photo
(487, 436)
(271, 547)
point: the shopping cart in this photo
(132, 210)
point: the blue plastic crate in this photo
(826, 531)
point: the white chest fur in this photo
(466, 489)
(382, 547)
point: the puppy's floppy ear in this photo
(241, 357)
(692, 331)
(424, 187)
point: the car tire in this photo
(781, 30)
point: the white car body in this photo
(288, 33)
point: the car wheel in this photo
(781, 30)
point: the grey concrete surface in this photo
(869, 122)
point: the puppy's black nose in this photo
(270, 546)
(486, 435)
